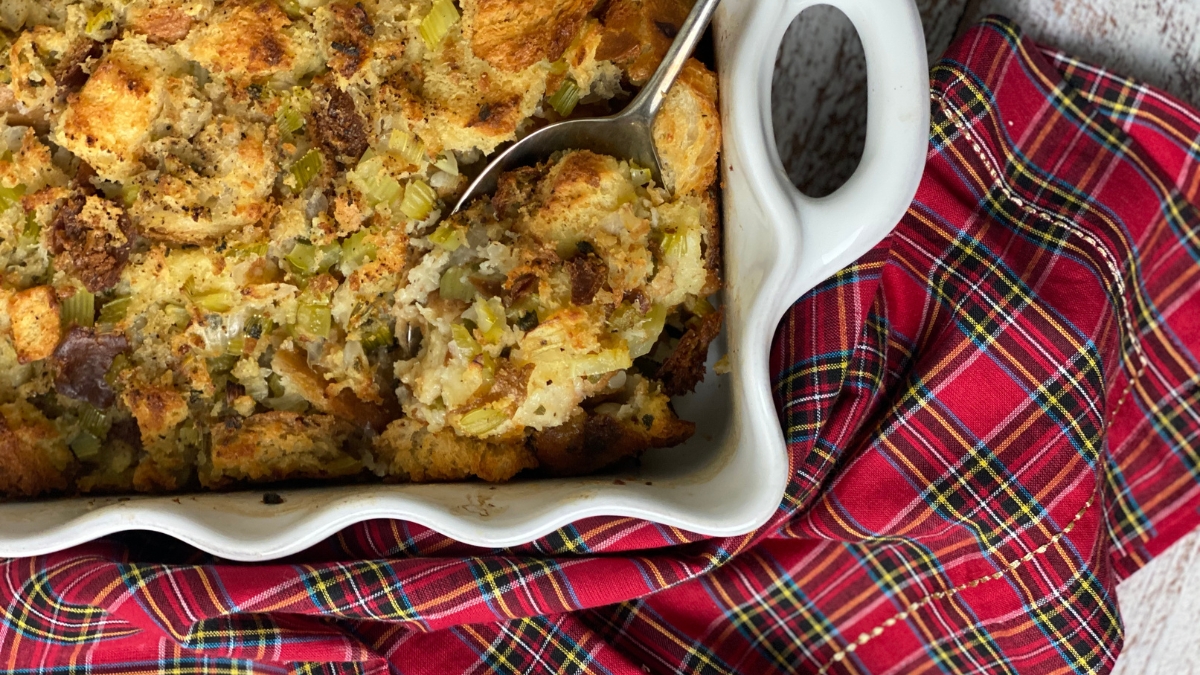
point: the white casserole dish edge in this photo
(730, 477)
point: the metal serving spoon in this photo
(626, 134)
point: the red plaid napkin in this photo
(990, 420)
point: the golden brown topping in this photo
(109, 120)
(35, 323)
(339, 129)
(648, 25)
(515, 35)
(157, 409)
(684, 369)
(350, 37)
(246, 39)
(82, 360)
(92, 238)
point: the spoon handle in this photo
(650, 100)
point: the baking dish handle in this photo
(838, 229)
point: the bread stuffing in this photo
(228, 259)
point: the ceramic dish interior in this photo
(730, 477)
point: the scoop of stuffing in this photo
(227, 256)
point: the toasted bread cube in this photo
(280, 445)
(35, 324)
(409, 451)
(34, 457)
(638, 34)
(688, 131)
(250, 39)
(158, 410)
(515, 35)
(110, 120)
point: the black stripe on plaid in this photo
(360, 590)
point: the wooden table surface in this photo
(820, 114)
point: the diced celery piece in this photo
(11, 196)
(376, 336)
(313, 319)
(288, 119)
(481, 421)
(640, 330)
(419, 200)
(94, 422)
(79, 309)
(489, 370)
(489, 316)
(674, 244)
(292, 8)
(289, 402)
(701, 307)
(99, 21)
(236, 346)
(606, 361)
(465, 342)
(456, 284)
(119, 364)
(447, 162)
(130, 194)
(221, 364)
(256, 388)
(329, 255)
(179, 316)
(447, 237)
(247, 250)
(304, 259)
(216, 301)
(406, 146)
(437, 24)
(357, 251)
(114, 310)
(190, 435)
(566, 98)
(32, 230)
(306, 169)
(640, 176)
(85, 446)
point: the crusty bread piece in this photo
(590, 441)
(157, 409)
(515, 35)
(687, 132)
(247, 39)
(34, 458)
(35, 323)
(638, 34)
(408, 451)
(277, 446)
(109, 121)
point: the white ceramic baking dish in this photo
(731, 476)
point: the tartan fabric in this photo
(990, 422)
